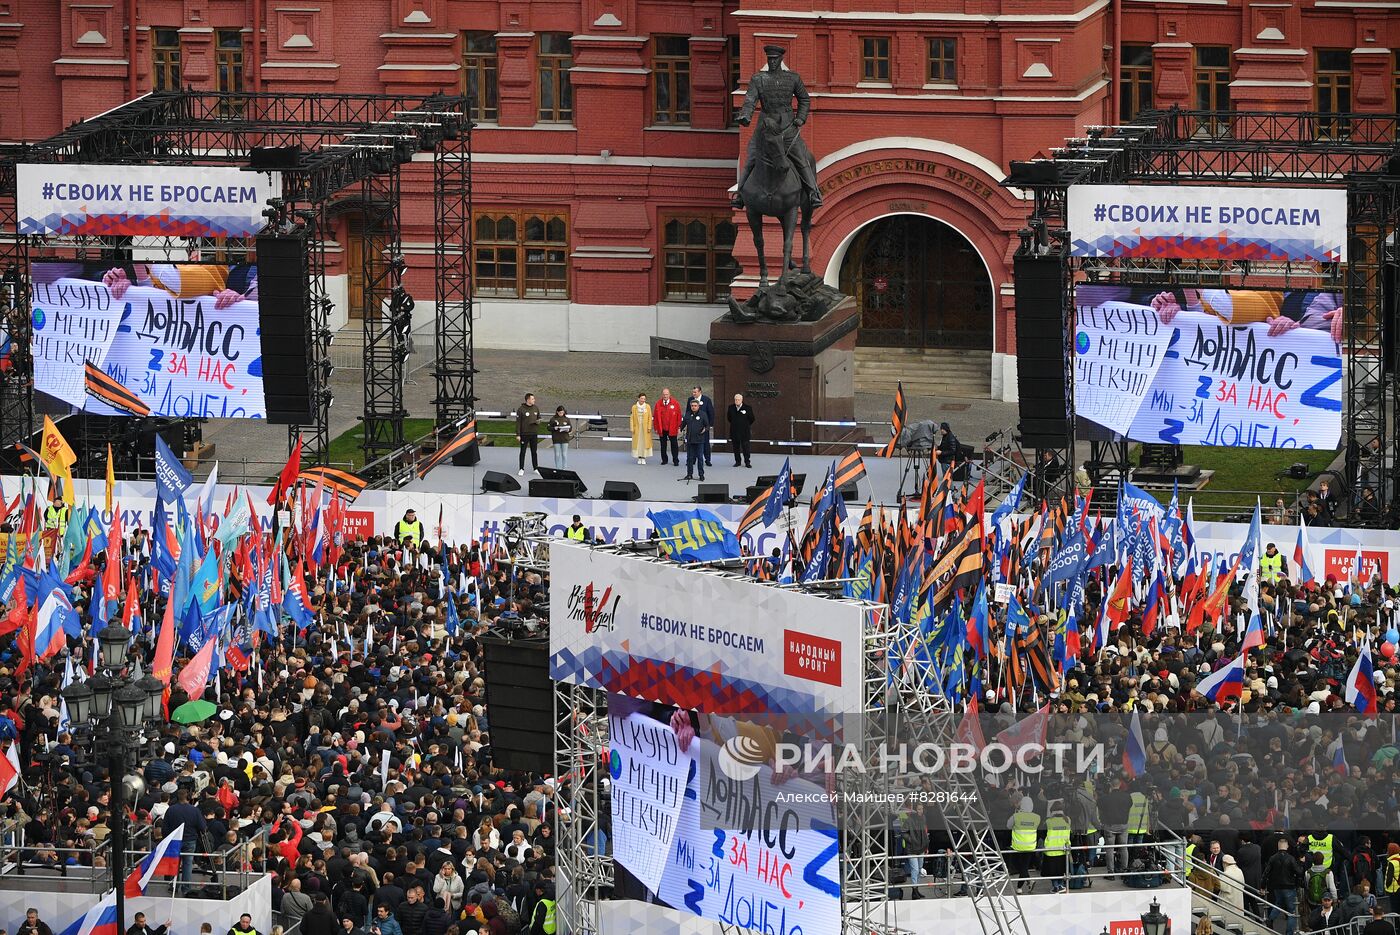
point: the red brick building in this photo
(606, 144)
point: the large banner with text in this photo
(149, 201)
(654, 630)
(1235, 368)
(687, 825)
(1208, 223)
(149, 339)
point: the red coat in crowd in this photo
(666, 416)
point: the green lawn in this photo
(1244, 474)
(347, 447)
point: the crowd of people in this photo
(350, 758)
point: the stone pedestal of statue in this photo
(790, 370)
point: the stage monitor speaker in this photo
(712, 493)
(561, 474)
(469, 456)
(766, 480)
(755, 491)
(284, 322)
(544, 487)
(848, 492)
(621, 490)
(520, 697)
(497, 482)
(274, 157)
(1040, 351)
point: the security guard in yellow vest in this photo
(1139, 815)
(409, 530)
(1056, 864)
(1025, 828)
(1321, 844)
(1390, 878)
(1191, 855)
(577, 531)
(1271, 564)
(56, 517)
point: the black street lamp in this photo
(115, 713)
(1154, 921)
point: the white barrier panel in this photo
(1086, 912)
(657, 631)
(60, 909)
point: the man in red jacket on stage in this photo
(666, 418)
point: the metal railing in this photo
(88, 869)
(1164, 859)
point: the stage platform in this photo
(597, 466)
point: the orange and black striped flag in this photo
(850, 470)
(896, 422)
(347, 485)
(865, 533)
(111, 392)
(460, 442)
(754, 514)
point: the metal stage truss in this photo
(891, 701)
(1357, 152)
(342, 141)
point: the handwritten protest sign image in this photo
(753, 852)
(183, 339)
(1228, 368)
(648, 773)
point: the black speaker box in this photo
(469, 456)
(621, 490)
(544, 487)
(497, 482)
(1041, 350)
(712, 493)
(562, 474)
(520, 697)
(848, 492)
(284, 325)
(274, 157)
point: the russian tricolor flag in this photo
(101, 919)
(164, 861)
(1339, 760)
(1253, 633)
(1361, 683)
(1134, 750)
(1304, 574)
(1225, 685)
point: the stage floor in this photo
(663, 483)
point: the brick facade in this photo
(918, 106)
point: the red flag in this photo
(19, 614)
(165, 644)
(9, 769)
(195, 675)
(129, 611)
(1118, 600)
(288, 477)
(26, 647)
(84, 571)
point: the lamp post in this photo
(113, 713)
(1154, 921)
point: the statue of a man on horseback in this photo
(779, 180)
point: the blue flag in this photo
(781, 495)
(452, 622)
(172, 479)
(693, 535)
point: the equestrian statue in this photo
(779, 180)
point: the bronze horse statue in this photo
(774, 189)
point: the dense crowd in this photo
(288, 775)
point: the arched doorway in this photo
(920, 284)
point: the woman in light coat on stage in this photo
(641, 429)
